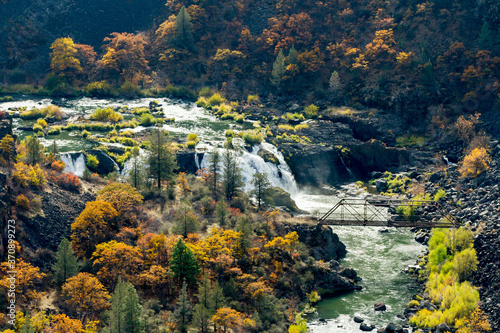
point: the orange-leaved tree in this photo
(229, 319)
(85, 294)
(115, 259)
(92, 227)
(124, 197)
(475, 163)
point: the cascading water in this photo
(75, 163)
(279, 175)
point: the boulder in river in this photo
(380, 307)
(283, 199)
(358, 319)
(366, 328)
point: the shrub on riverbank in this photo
(450, 260)
(107, 114)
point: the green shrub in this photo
(252, 137)
(92, 161)
(129, 90)
(73, 127)
(107, 114)
(311, 111)
(31, 114)
(191, 144)
(205, 92)
(227, 116)
(98, 89)
(85, 134)
(202, 102)
(147, 120)
(239, 119)
(42, 123)
(230, 133)
(37, 128)
(440, 194)
(54, 130)
(53, 111)
(193, 137)
(215, 99)
(252, 99)
(6, 99)
(413, 303)
(293, 116)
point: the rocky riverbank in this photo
(474, 202)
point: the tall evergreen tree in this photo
(34, 150)
(279, 70)
(292, 58)
(161, 161)
(232, 180)
(66, 264)
(183, 264)
(186, 221)
(182, 312)
(125, 312)
(183, 37)
(262, 189)
(201, 318)
(214, 169)
(485, 40)
(137, 174)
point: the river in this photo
(377, 257)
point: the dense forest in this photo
(421, 59)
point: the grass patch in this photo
(411, 141)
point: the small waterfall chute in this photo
(75, 163)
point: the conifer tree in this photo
(182, 312)
(125, 312)
(183, 264)
(183, 37)
(186, 221)
(201, 318)
(66, 264)
(262, 189)
(137, 174)
(214, 170)
(34, 150)
(292, 58)
(232, 180)
(161, 160)
(485, 40)
(279, 70)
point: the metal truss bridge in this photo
(388, 212)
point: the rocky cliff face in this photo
(60, 209)
(329, 278)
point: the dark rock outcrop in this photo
(320, 239)
(281, 198)
(60, 209)
(106, 163)
(186, 161)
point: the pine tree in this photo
(485, 40)
(186, 221)
(66, 264)
(161, 160)
(221, 212)
(217, 299)
(204, 289)
(214, 170)
(137, 174)
(125, 312)
(201, 318)
(232, 180)
(262, 189)
(183, 264)
(34, 150)
(292, 58)
(334, 84)
(183, 37)
(54, 149)
(182, 312)
(279, 70)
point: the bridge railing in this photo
(386, 211)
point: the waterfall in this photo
(279, 175)
(345, 165)
(75, 163)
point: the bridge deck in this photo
(382, 212)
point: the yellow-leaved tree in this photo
(64, 61)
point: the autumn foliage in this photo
(475, 163)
